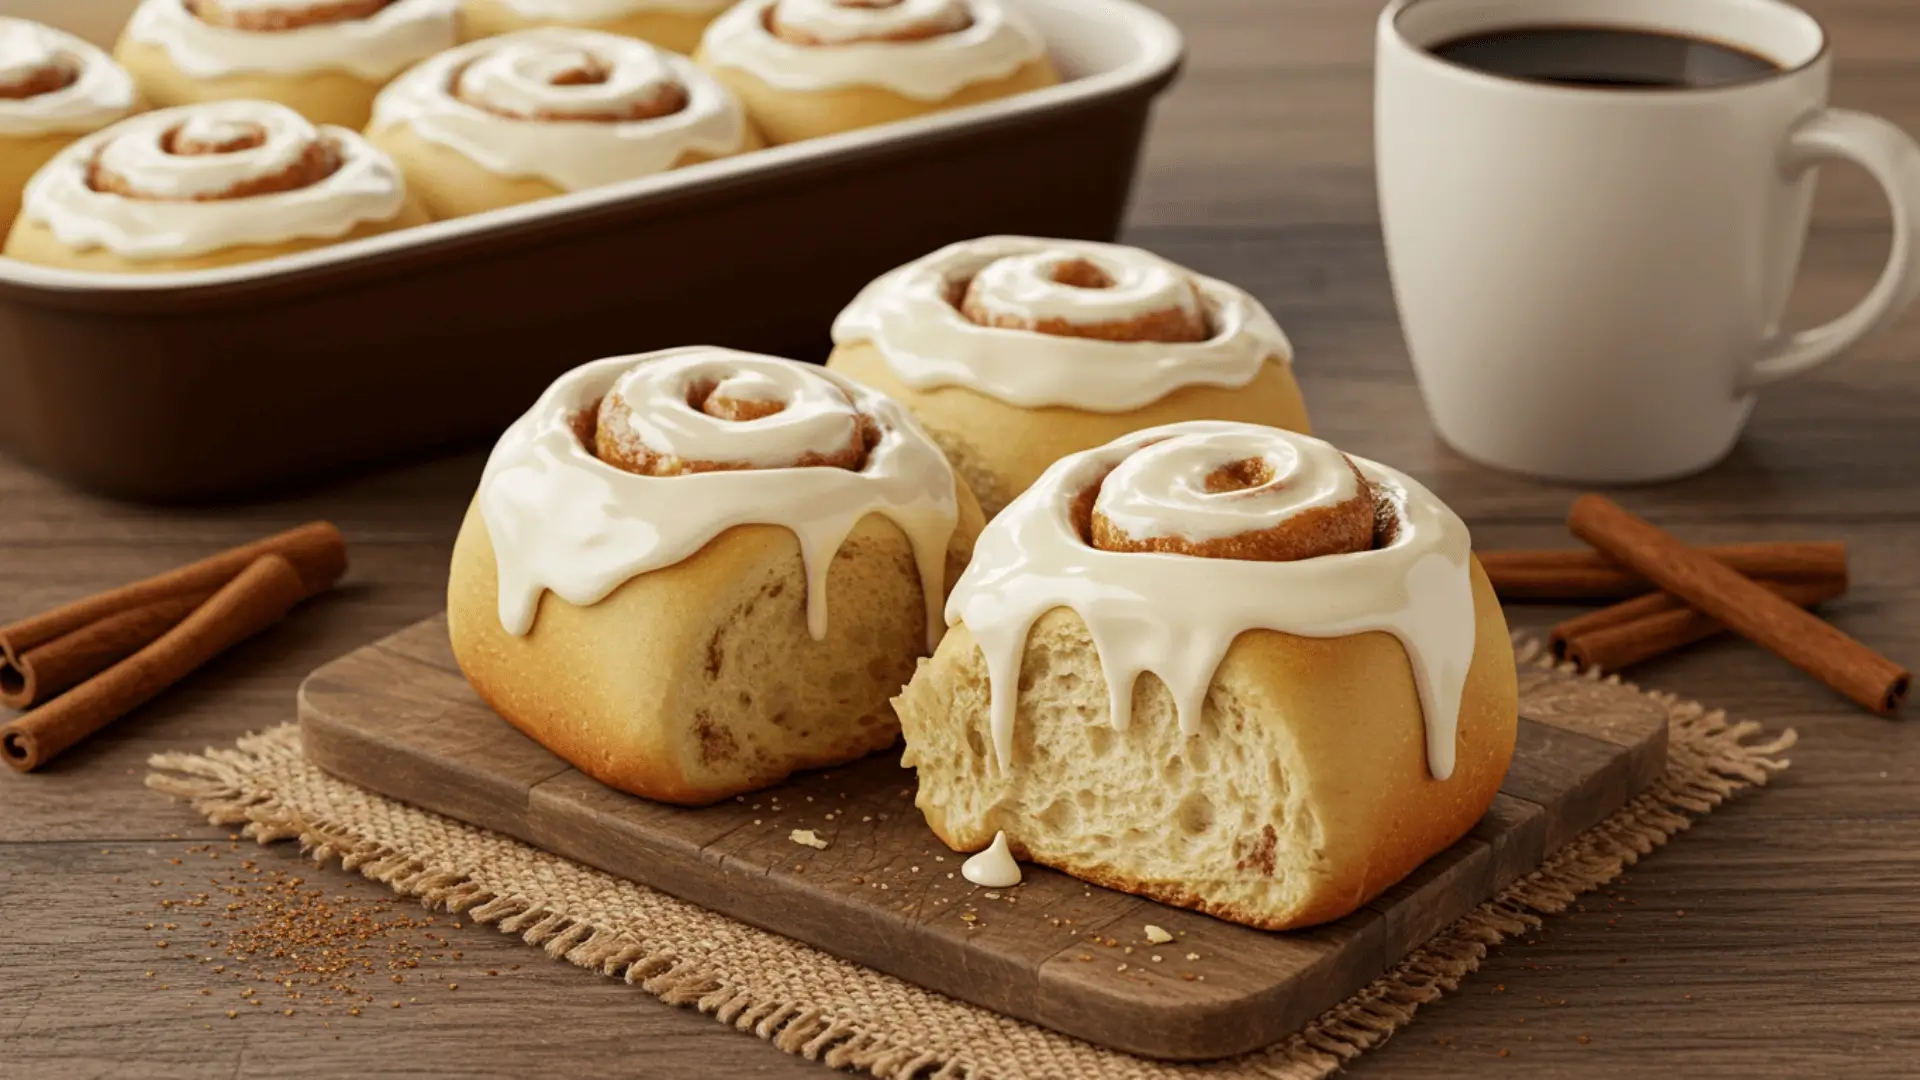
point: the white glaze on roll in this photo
(178, 215)
(1176, 615)
(375, 48)
(1161, 490)
(818, 417)
(995, 44)
(512, 73)
(562, 520)
(593, 11)
(909, 314)
(100, 93)
(994, 868)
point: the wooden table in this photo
(1771, 940)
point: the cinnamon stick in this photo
(1579, 574)
(1714, 589)
(316, 551)
(1635, 631)
(258, 597)
(68, 661)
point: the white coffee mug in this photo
(1591, 280)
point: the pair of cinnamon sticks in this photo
(1676, 595)
(78, 668)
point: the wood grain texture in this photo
(1802, 903)
(397, 717)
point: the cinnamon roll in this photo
(54, 88)
(670, 24)
(511, 119)
(1014, 351)
(207, 185)
(806, 68)
(1221, 665)
(325, 59)
(693, 572)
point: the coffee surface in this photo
(1605, 57)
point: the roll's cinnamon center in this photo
(605, 430)
(660, 99)
(1081, 274)
(57, 73)
(292, 15)
(795, 29)
(738, 410)
(1171, 324)
(316, 162)
(1361, 523)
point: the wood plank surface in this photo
(397, 717)
(1801, 903)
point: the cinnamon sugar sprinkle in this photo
(292, 16)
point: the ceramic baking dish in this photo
(222, 382)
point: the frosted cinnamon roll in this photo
(325, 59)
(807, 68)
(670, 24)
(207, 185)
(693, 572)
(531, 115)
(1221, 665)
(1015, 351)
(54, 88)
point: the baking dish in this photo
(224, 382)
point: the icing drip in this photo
(857, 44)
(51, 81)
(183, 182)
(1176, 615)
(376, 47)
(489, 101)
(591, 11)
(909, 314)
(563, 520)
(994, 868)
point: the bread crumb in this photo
(993, 896)
(1122, 967)
(1193, 956)
(1155, 958)
(1157, 935)
(808, 838)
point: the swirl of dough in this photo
(1260, 494)
(1112, 294)
(202, 178)
(373, 39)
(710, 411)
(561, 77)
(927, 50)
(1171, 542)
(51, 81)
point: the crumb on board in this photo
(1157, 935)
(809, 838)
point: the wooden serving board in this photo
(397, 717)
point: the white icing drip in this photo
(994, 868)
(1161, 490)
(838, 22)
(562, 520)
(1176, 615)
(1025, 287)
(909, 315)
(375, 48)
(593, 11)
(819, 418)
(170, 223)
(997, 43)
(571, 155)
(100, 93)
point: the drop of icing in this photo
(993, 868)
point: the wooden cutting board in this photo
(397, 717)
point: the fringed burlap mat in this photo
(846, 1016)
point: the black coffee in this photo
(1592, 56)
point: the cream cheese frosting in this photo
(910, 316)
(375, 48)
(173, 208)
(994, 43)
(513, 76)
(1176, 615)
(562, 520)
(98, 92)
(591, 11)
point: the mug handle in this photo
(1891, 157)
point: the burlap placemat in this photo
(810, 1003)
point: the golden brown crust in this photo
(324, 97)
(786, 116)
(1002, 448)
